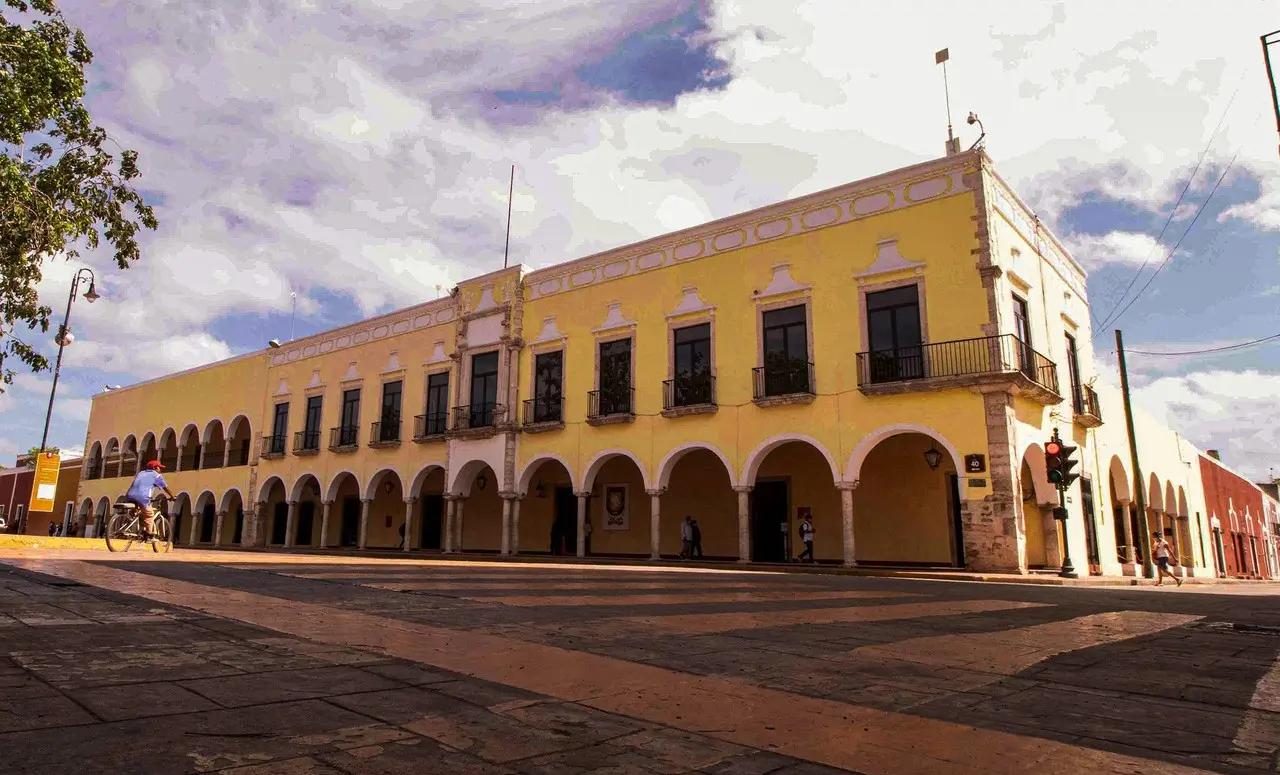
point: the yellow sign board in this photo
(45, 487)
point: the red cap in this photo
(155, 465)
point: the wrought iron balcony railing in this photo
(786, 378)
(273, 446)
(306, 442)
(1085, 402)
(697, 389)
(385, 431)
(344, 437)
(543, 410)
(429, 425)
(486, 415)
(617, 402)
(1003, 354)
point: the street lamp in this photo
(63, 339)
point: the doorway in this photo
(175, 530)
(237, 536)
(564, 524)
(279, 523)
(770, 525)
(350, 529)
(206, 524)
(306, 523)
(432, 515)
(957, 522)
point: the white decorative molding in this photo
(1018, 280)
(690, 304)
(1071, 323)
(486, 302)
(614, 320)
(888, 260)
(283, 388)
(781, 283)
(433, 313)
(351, 375)
(1005, 202)
(438, 355)
(393, 364)
(550, 332)
(315, 380)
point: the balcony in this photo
(995, 361)
(93, 469)
(687, 394)
(782, 383)
(239, 454)
(1088, 414)
(169, 459)
(272, 447)
(213, 457)
(306, 443)
(344, 438)
(607, 407)
(543, 414)
(189, 462)
(431, 426)
(385, 433)
(477, 420)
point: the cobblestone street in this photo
(259, 663)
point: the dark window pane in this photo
(781, 317)
(894, 297)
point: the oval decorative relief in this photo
(380, 332)
(445, 315)
(873, 203)
(616, 269)
(277, 360)
(729, 240)
(651, 261)
(400, 327)
(308, 351)
(824, 217)
(294, 355)
(422, 321)
(361, 337)
(582, 278)
(928, 189)
(548, 287)
(326, 346)
(343, 341)
(689, 250)
(773, 229)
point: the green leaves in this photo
(59, 189)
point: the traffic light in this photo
(1058, 463)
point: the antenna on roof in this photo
(293, 318)
(510, 189)
(941, 58)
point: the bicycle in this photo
(125, 528)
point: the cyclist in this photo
(143, 489)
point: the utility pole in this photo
(511, 187)
(1268, 40)
(1139, 487)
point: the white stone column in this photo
(582, 522)
(409, 504)
(1129, 552)
(217, 528)
(450, 505)
(325, 507)
(744, 522)
(291, 525)
(196, 516)
(655, 522)
(364, 523)
(507, 498)
(515, 526)
(458, 514)
(846, 521)
(177, 464)
(1177, 542)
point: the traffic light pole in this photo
(1058, 465)
(1139, 490)
(1068, 570)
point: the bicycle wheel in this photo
(122, 531)
(160, 527)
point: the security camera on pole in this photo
(1058, 465)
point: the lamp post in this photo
(65, 338)
(1268, 40)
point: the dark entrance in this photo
(431, 518)
(1090, 529)
(237, 537)
(306, 523)
(350, 535)
(564, 525)
(206, 524)
(770, 526)
(175, 531)
(279, 523)
(957, 521)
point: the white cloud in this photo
(1118, 247)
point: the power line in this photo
(1174, 210)
(1210, 350)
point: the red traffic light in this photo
(1052, 448)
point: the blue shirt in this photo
(144, 484)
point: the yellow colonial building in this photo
(887, 357)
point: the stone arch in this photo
(1182, 502)
(420, 479)
(93, 463)
(1170, 498)
(101, 513)
(168, 448)
(264, 492)
(762, 450)
(376, 481)
(465, 475)
(335, 484)
(668, 463)
(859, 455)
(129, 456)
(531, 468)
(593, 468)
(1120, 480)
(299, 489)
(1033, 457)
(190, 435)
(148, 447)
(225, 503)
(1155, 497)
(239, 441)
(214, 426)
(232, 507)
(86, 508)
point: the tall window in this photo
(311, 433)
(348, 430)
(1073, 369)
(1022, 330)
(389, 419)
(614, 395)
(548, 387)
(484, 389)
(279, 429)
(894, 335)
(691, 383)
(786, 352)
(437, 417)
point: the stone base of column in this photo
(992, 541)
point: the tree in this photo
(59, 189)
(34, 452)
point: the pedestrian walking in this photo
(1161, 553)
(586, 536)
(686, 538)
(806, 535)
(695, 537)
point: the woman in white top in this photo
(1160, 551)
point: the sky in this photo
(357, 153)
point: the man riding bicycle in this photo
(143, 489)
